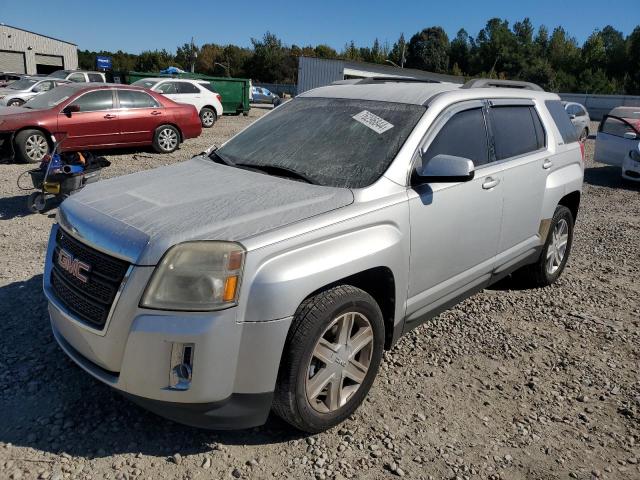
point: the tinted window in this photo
(44, 86)
(208, 86)
(562, 121)
(168, 87)
(614, 126)
(95, 77)
(92, 101)
(464, 135)
(77, 77)
(514, 131)
(580, 111)
(133, 99)
(184, 87)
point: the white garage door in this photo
(51, 60)
(12, 62)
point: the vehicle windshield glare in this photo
(23, 84)
(51, 98)
(144, 83)
(333, 142)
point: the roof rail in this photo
(488, 82)
(368, 80)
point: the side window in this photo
(571, 110)
(615, 126)
(95, 101)
(464, 135)
(77, 77)
(580, 112)
(134, 99)
(95, 77)
(185, 87)
(514, 130)
(209, 86)
(562, 121)
(168, 87)
(43, 87)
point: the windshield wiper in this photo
(216, 157)
(278, 171)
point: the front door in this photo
(95, 125)
(455, 227)
(611, 145)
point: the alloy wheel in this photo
(36, 147)
(558, 246)
(208, 118)
(339, 362)
(168, 139)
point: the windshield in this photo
(51, 98)
(333, 142)
(59, 74)
(23, 84)
(145, 83)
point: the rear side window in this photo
(562, 121)
(134, 99)
(208, 86)
(517, 130)
(184, 87)
(464, 135)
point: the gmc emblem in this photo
(74, 266)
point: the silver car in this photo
(19, 92)
(267, 275)
(618, 135)
(580, 119)
(263, 95)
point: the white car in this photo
(618, 135)
(198, 93)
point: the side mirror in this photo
(630, 135)
(444, 169)
(69, 109)
(572, 116)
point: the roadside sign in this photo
(103, 63)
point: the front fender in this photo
(284, 279)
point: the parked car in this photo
(272, 275)
(618, 134)
(263, 95)
(79, 76)
(7, 77)
(17, 93)
(198, 93)
(580, 119)
(92, 116)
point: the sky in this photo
(134, 26)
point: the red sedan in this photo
(96, 116)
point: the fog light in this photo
(181, 366)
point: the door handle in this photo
(547, 164)
(108, 115)
(490, 182)
(155, 112)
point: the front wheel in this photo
(331, 358)
(32, 145)
(584, 135)
(555, 252)
(16, 102)
(166, 139)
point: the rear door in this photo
(611, 145)
(519, 147)
(139, 115)
(96, 124)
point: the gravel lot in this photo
(511, 384)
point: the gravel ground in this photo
(510, 384)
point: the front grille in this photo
(91, 300)
(632, 174)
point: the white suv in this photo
(198, 93)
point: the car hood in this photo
(140, 216)
(13, 112)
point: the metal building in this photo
(317, 72)
(22, 51)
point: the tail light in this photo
(582, 150)
(219, 97)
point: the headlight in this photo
(196, 276)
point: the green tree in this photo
(460, 52)
(429, 50)
(633, 62)
(398, 53)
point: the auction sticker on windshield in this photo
(374, 122)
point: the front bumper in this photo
(235, 363)
(631, 169)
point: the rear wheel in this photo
(584, 135)
(166, 139)
(32, 145)
(555, 253)
(208, 117)
(331, 357)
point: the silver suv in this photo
(270, 275)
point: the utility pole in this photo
(193, 56)
(404, 44)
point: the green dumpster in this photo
(234, 91)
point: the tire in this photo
(31, 145)
(547, 269)
(584, 135)
(37, 202)
(208, 117)
(16, 102)
(310, 406)
(166, 139)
